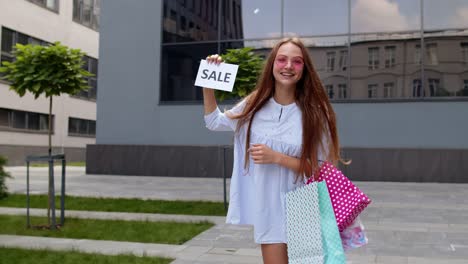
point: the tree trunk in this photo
(49, 194)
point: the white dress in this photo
(257, 195)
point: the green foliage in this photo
(46, 70)
(250, 65)
(131, 205)
(44, 256)
(164, 232)
(3, 176)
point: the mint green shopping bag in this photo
(312, 232)
(331, 240)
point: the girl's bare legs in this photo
(275, 253)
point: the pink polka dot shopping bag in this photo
(347, 200)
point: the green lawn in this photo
(118, 230)
(121, 205)
(28, 256)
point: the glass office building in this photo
(395, 70)
(362, 49)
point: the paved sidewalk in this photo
(406, 223)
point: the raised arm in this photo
(209, 100)
(214, 119)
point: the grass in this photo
(117, 230)
(72, 163)
(14, 255)
(120, 205)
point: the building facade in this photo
(24, 120)
(396, 72)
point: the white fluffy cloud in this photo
(379, 15)
(461, 18)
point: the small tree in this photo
(3, 176)
(46, 70)
(250, 65)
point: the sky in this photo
(262, 18)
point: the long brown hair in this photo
(318, 117)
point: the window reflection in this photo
(385, 15)
(445, 67)
(445, 14)
(306, 18)
(382, 57)
(384, 65)
(179, 68)
(259, 18)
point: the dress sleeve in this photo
(218, 121)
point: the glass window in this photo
(343, 60)
(24, 120)
(179, 67)
(368, 50)
(318, 17)
(44, 122)
(4, 117)
(385, 15)
(435, 89)
(7, 40)
(389, 90)
(183, 23)
(49, 4)
(52, 4)
(417, 89)
(81, 127)
(87, 12)
(331, 61)
(417, 54)
(373, 58)
(19, 119)
(464, 49)
(91, 65)
(431, 54)
(445, 58)
(33, 121)
(330, 91)
(390, 52)
(92, 128)
(254, 19)
(464, 89)
(342, 91)
(372, 90)
(73, 125)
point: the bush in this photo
(250, 65)
(3, 176)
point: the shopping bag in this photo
(312, 232)
(354, 235)
(331, 240)
(348, 201)
(304, 234)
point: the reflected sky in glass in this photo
(445, 14)
(316, 17)
(385, 15)
(261, 18)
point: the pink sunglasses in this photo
(296, 62)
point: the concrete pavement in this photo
(406, 223)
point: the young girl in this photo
(281, 130)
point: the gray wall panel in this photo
(16, 155)
(402, 165)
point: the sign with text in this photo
(219, 77)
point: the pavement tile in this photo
(409, 223)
